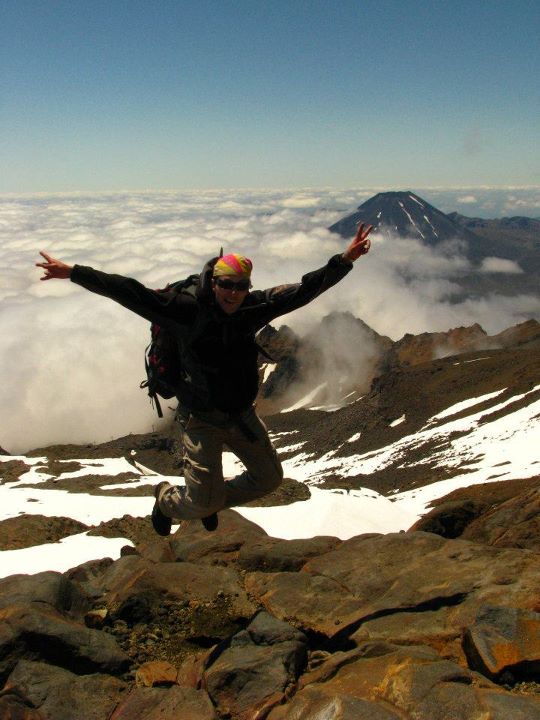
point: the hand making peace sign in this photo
(360, 245)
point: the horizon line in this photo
(262, 189)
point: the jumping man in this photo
(215, 331)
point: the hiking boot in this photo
(210, 522)
(160, 522)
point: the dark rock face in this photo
(236, 624)
(256, 669)
(58, 693)
(387, 682)
(12, 469)
(503, 642)
(47, 636)
(501, 514)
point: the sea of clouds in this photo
(72, 362)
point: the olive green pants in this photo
(206, 491)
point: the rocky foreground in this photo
(438, 623)
(236, 624)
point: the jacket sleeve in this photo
(161, 307)
(285, 298)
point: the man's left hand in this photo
(360, 245)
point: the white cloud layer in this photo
(72, 362)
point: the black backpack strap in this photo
(155, 401)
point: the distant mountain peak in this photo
(405, 214)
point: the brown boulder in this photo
(370, 578)
(192, 543)
(504, 642)
(133, 576)
(275, 555)
(502, 514)
(404, 683)
(255, 670)
(155, 673)
(441, 629)
(165, 704)
(514, 523)
(87, 576)
(312, 702)
(26, 531)
(11, 470)
(57, 693)
(13, 707)
(30, 632)
(45, 588)
(450, 519)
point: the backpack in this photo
(162, 360)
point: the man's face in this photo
(229, 296)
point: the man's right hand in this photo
(54, 269)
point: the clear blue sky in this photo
(126, 94)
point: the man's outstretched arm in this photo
(161, 307)
(285, 298)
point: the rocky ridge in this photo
(236, 624)
(358, 355)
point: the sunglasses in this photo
(232, 284)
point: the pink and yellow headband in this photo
(233, 264)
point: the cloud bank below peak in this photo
(75, 360)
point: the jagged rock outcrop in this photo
(526, 333)
(339, 357)
(236, 624)
(343, 356)
(381, 681)
(265, 661)
(501, 514)
(416, 349)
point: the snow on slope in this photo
(486, 447)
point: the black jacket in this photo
(222, 363)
